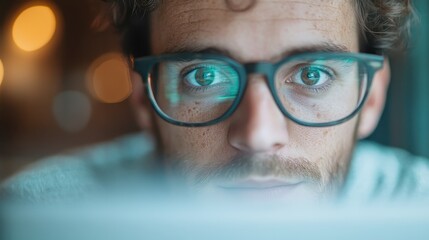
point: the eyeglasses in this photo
(312, 89)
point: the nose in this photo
(258, 124)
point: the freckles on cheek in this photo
(338, 139)
(196, 143)
(321, 141)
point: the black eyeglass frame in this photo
(143, 66)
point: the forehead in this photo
(258, 33)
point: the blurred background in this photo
(64, 84)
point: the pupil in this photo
(205, 76)
(311, 76)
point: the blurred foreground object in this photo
(175, 219)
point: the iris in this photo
(310, 76)
(205, 76)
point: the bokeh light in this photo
(34, 28)
(1, 72)
(72, 110)
(109, 78)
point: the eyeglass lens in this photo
(312, 90)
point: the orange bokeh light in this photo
(34, 28)
(109, 78)
(1, 72)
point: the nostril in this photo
(254, 141)
(277, 146)
(258, 125)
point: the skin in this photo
(258, 140)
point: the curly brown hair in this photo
(384, 24)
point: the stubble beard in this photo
(327, 176)
(326, 180)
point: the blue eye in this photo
(209, 80)
(312, 76)
(204, 76)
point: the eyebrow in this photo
(322, 47)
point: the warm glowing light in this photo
(109, 78)
(1, 72)
(34, 28)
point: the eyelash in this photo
(193, 89)
(323, 88)
(320, 89)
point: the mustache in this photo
(243, 166)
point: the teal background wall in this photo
(405, 122)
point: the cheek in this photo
(200, 144)
(325, 144)
(330, 148)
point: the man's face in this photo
(257, 152)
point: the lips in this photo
(260, 184)
(271, 189)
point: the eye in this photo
(312, 76)
(204, 76)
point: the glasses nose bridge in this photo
(263, 68)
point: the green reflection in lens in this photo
(224, 98)
(172, 92)
(219, 83)
(234, 84)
